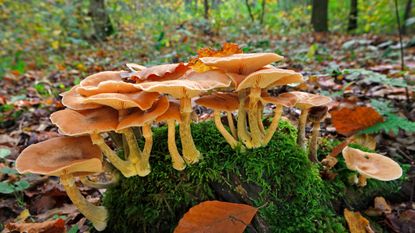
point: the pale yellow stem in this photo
(98, 215)
(242, 132)
(177, 160)
(190, 153)
(301, 128)
(260, 110)
(314, 142)
(228, 137)
(231, 124)
(136, 156)
(125, 167)
(256, 134)
(143, 166)
(362, 181)
(274, 124)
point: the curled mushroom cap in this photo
(371, 165)
(172, 113)
(285, 99)
(73, 100)
(270, 77)
(141, 99)
(140, 117)
(307, 100)
(105, 82)
(242, 63)
(220, 101)
(192, 84)
(75, 123)
(61, 155)
(162, 72)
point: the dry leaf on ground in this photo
(349, 121)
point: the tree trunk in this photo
(406, 15)
(100, 19)
(206, 5)
(249, 10)
(263, 11)
(353, 15)
(319, 15)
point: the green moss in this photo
(278, 178)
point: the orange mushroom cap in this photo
(59, 156)
(371, 165)
(162, 72)
(73, 100)
(220, 101)
(75, 123)
(307, 100)
(141, 99)
(242, 63)
(105, 82)
(284, 99)
(172, 113)
(140, 117)
(190, 85)
(266, 78)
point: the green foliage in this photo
(279, 178)
(374, 77)
(4, 152)
(7, 188)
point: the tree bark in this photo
(406, 15)
(353, 15)
(206, 5)
(319, 15)
(100, 19)
(261, 20)
(249, 10)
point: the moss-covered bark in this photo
(279, 179)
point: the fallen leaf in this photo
(356, 222)
(380, 207)
(54, 226)
(349, 121)
(216, 216)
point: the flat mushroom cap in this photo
(139, 117)
(172, 113)
(220, 101)
(105, 82)
(285, 99)
(270, 77)
(73, 100)
(242, 63)
(371, 165)
(74, 123)
(162, 72)
(307, 100)
(141, 99)
(190, 85)
(59, 156)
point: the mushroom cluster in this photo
(115, 109)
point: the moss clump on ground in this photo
(278, 178)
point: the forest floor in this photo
(350, 69)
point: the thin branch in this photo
(249, 10)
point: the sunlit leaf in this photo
(349, 121)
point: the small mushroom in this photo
(371, 165)
(67, 157)
(305, 102)
(315, 115)
(93, 122)
(227, 102)
(190, 85)
(105, 82)
(171, 116)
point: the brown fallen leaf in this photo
(349, 121)
(217, 217)
(356, 222)
(380, 207)
(54, 226)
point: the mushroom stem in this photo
(274, 124)
(362, 181)
(177, 160)
(301, 128)
(98, 185)
(98, 215)
(190, 153)
(241, 124)
(254, 97)
(313, 142)
(228, 137)
(136, 156)
(231, 124)
(125, 167)
(260, 108)
(144, 165)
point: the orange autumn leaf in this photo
(54, 226)
(349, 121)
(227, 50)
(356, 222)
(216, 216)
